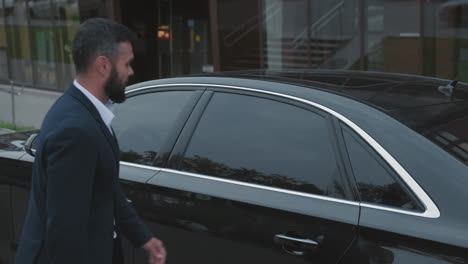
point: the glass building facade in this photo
(36, 38)
(180, 37)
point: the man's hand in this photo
(156, 251)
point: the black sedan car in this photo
(284, 167)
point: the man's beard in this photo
(114, 88)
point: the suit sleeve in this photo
(128, 220)
(70, 168)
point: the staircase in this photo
(281, 53)
(309, 49)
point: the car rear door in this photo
(252, 178)
(399, 222)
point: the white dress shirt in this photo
(105, 110)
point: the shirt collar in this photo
(105, 110)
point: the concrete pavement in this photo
(30, 105)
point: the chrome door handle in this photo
(295, 246)
(306, 241)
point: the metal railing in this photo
(323, 21)
(13, 93)
(250, 25)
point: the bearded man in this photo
(77, 210)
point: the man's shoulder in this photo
(66, 101)
(68, 114)
(69, 132)
(67, 108)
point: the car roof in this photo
(385, 91)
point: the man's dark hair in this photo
(98, 37)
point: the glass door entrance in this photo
(172, 37)
(187, 47)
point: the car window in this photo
(376, 181)
(266, 142)
(144, 124)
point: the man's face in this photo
(118, 77)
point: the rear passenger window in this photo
(262, 141)
(376, 181)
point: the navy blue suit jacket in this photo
(75, 193)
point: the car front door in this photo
(252, 178)
(146, 127)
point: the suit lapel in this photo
(116, 143)
(77, 94)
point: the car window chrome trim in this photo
(263, 187)
(275, 189)
(431, 209)
(391, 209)
(139, 166)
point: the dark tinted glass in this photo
(144, 123)
(266, 142)
(375, 181)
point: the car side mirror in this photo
(28, 145)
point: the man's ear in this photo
(102, 65)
